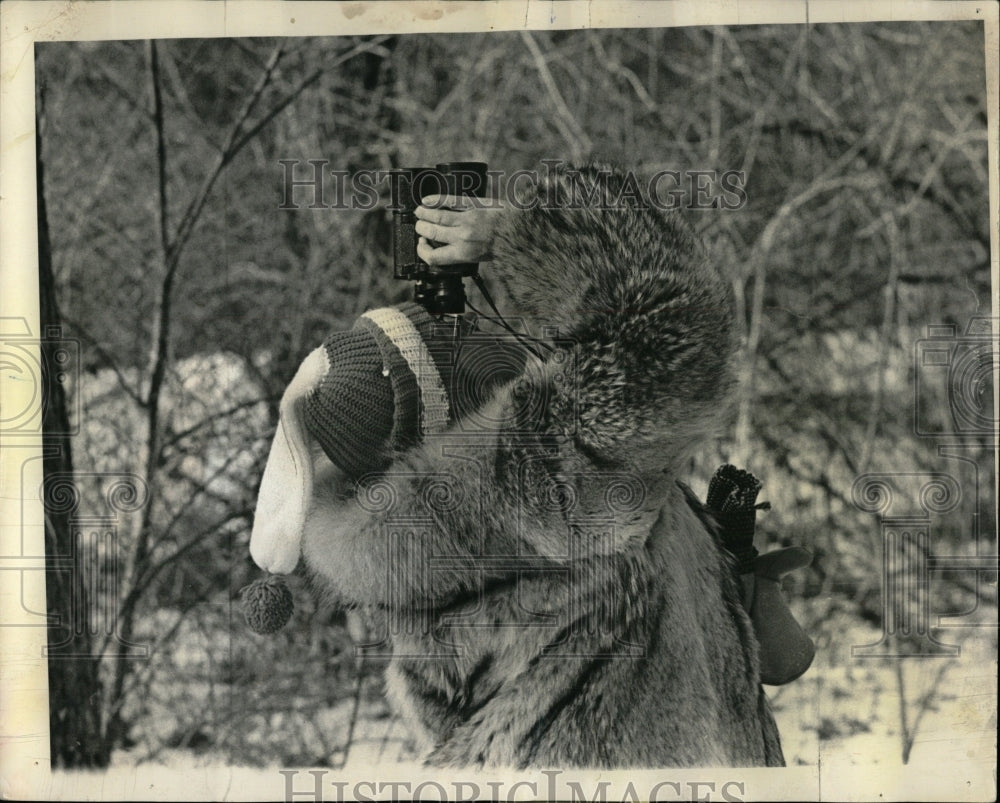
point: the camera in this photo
(954, 374)
(438, 288)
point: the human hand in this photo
(461, 232)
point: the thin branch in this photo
(904, 725)
(161, 146)
(366, 47)
(154, 569)
(925, 704)
(461, 88)
(888, 318)
(903, 210)
(172, 73)
(830, 429)
(778, 451)
(765, 111)
(235, 141)
(158, 360)
(191, 430)
(227, 152)
(108, 360)
(620, 69)
(758, 267)
(171, 258)
(123, 91)
(200, 491)
(715, 105)
(359, 681)
(567, 124)
(135, 679)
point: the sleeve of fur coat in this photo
(642, 372)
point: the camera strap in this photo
(524, 340)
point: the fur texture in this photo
(551, 597)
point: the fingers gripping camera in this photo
(438, 289)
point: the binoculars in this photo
(438, 288)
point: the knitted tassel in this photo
(267, 604)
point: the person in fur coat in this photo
(551, 594)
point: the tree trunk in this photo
(75, 690)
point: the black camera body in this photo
(438, 288)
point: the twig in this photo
(109, 362)
(366, 47)
(191, 430)
(138, 678)
(158, 360)
(228, 151)
(171, 253)
(904, 729)
(758, 269)
(888, 317)
(925, 703)
(715, 105)
(618, 68)
(574, 135)
(155, 568)
(384, 741)
(235, 142)
(359, 679)
(123, 91)
(903, 210)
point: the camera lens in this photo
(466, 179)
(449, 296)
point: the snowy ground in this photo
(842, 725)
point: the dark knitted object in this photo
(368, 406)
(732, 494)
(267, 604)
(371, 405)
(351, 414)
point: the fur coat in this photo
(550, 596)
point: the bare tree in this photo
(75, 689)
